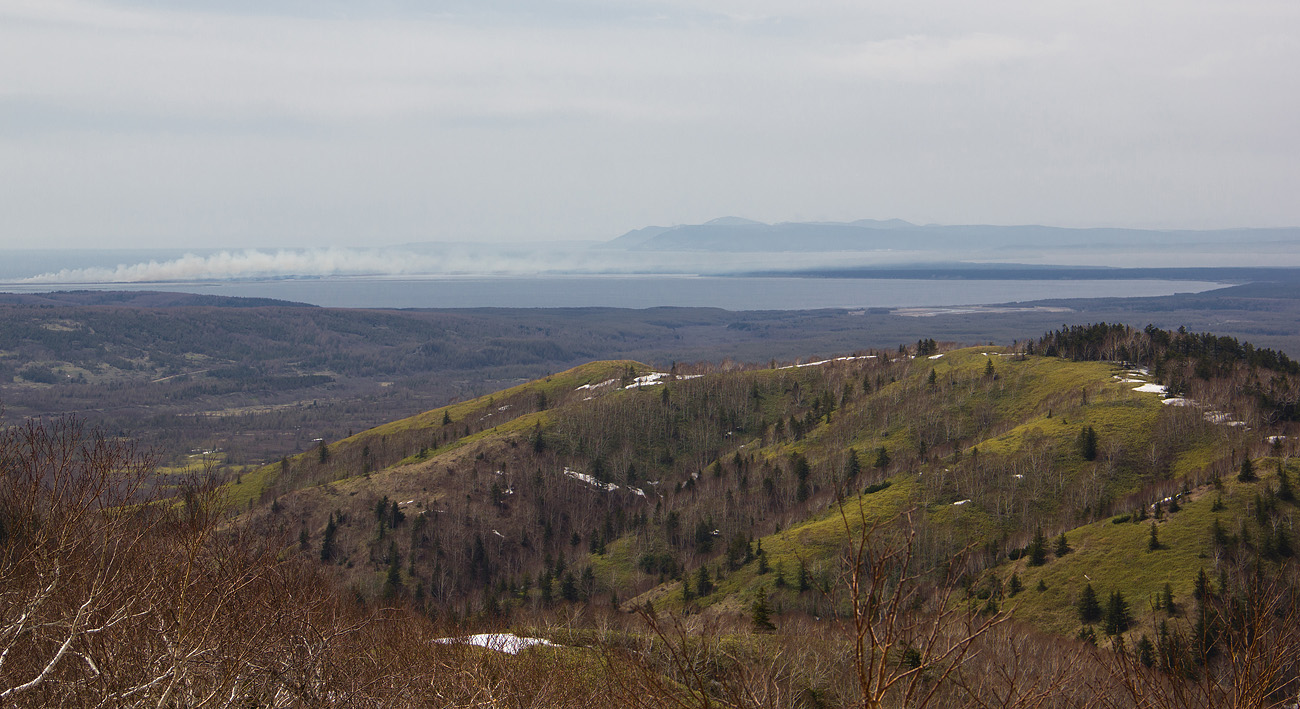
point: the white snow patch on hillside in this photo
(959, 503)
(1151, 388)
(936, 356)
(589, 480)
(605, 383)
(820, 362)
(501, 642)
(647, 380)
(1217, 417)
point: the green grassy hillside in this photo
(595, 486)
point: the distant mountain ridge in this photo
(736, 234)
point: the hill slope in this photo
(610, 482)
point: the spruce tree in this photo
(1146, 652)
(1118, 619)
(1037, 550)
(1062, 545)
(1088, 443)
(762, 614)
(327, 541)
(1247, 472)
(1089, 607)
(1014, 586)
(1201, 587)
(1153, 543)
(1284, 491)
(882, 458)
(703, 584)
(855, 467)
(393, 579)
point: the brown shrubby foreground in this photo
(108, 598)
(111, 595)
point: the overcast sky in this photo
(243, 123)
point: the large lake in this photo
(651, 291)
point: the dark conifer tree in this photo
(1062, 546)
(703, 584)
(762, 613)
(1088, 605)
(1201, 587)
(882, 458)
(1247, 472)
(1118, 619)
(1037, 550)
(327, 541)
(1088, 443)
(1284, 491)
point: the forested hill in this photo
(923, 525)
(612, 484)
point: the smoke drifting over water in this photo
(319, 263)
(441, 260)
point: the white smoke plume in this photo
(441, 259)
(311, 263)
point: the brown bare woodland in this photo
(112, 595)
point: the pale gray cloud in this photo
(332, 123)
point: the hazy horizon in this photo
(286, 124)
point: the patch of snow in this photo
(820, 362)
(589, 480)
(588, 398)
(637, 491)
(1177, 401)
(959, 503)
(605, 383)
(1018, 476)
(1274, 439)
(498, 534)
(501, 642)
(647, 380)
(936, 356)
(408, 502)
(503, 408)
(1151, 388)
(1132, 381)
(690, 376)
